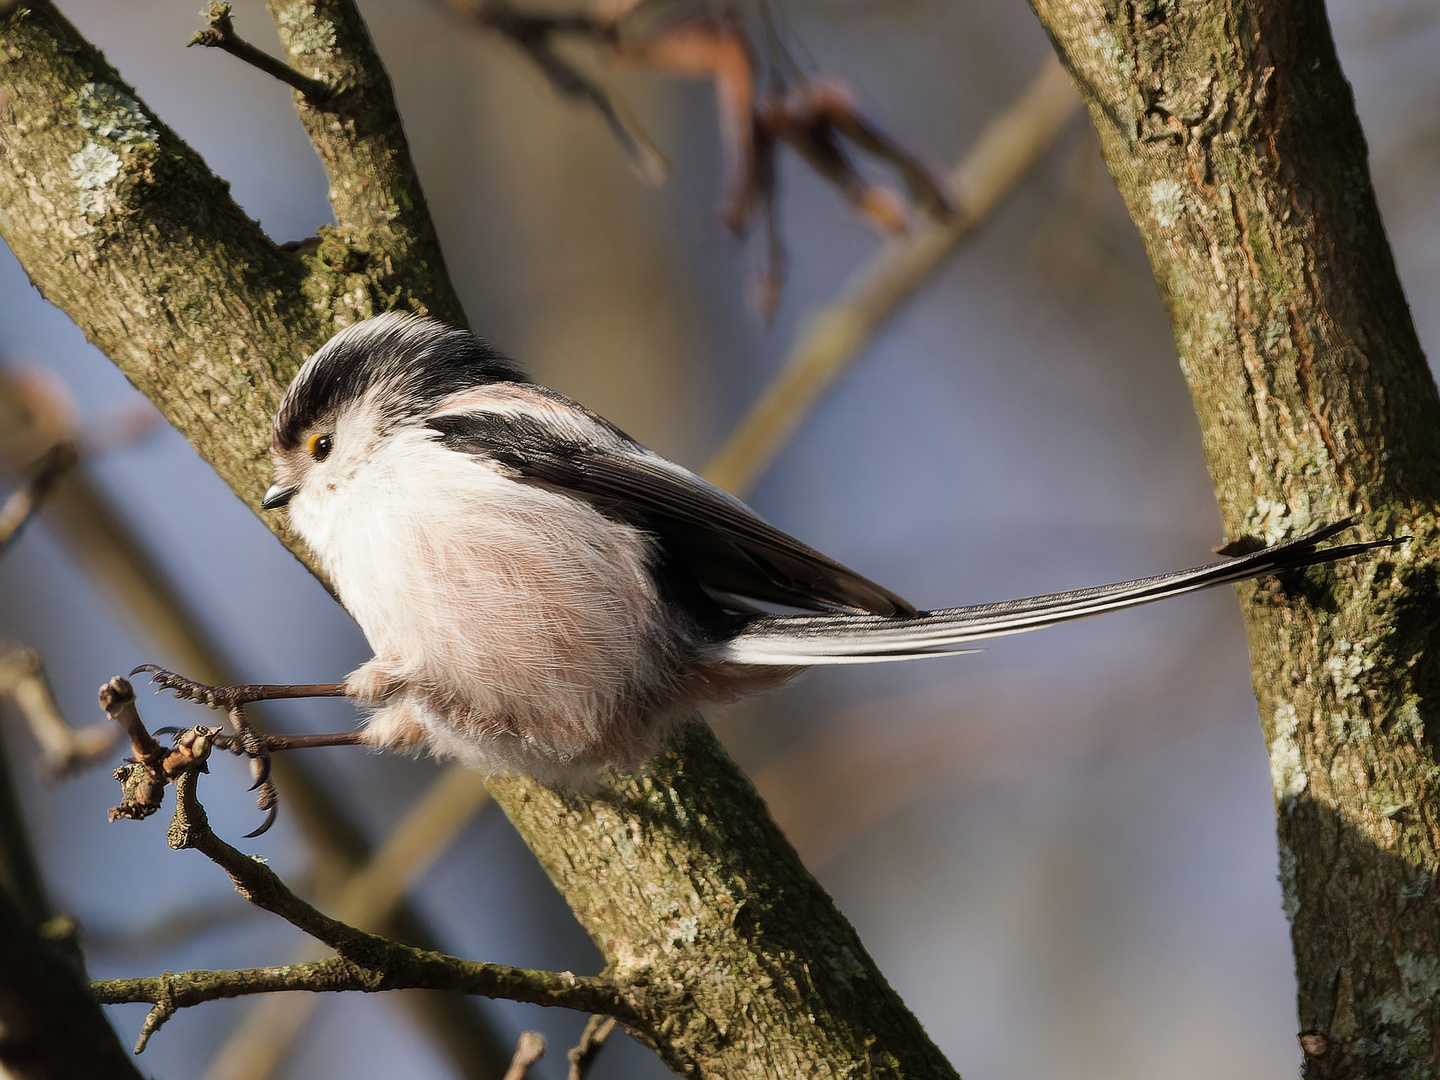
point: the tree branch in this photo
(220, 34)
(1231, 134)
(369, 899)
(383, 252)
(366, 961)
(209, 318)
(1004, 152)
(422, 971)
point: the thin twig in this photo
(220, 34)
(592, 1040)
(367, 899)
(405, 969)
(35, 414)
(529, 1049)
(1005, 151)
(366, 961)
(26, 499)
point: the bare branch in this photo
(368, 899)
(529, 1049)
(1005, 151)
(366, 961)
(63, 749)
(598, 1029)
(23, 502)
(383, 242)
(220, 34)
(173, 991)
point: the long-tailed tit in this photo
(543, 593)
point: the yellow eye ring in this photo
(320, 446)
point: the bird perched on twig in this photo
(543, 593)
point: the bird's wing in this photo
(724, 543)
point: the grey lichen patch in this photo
(1419, 888)
(687, 929)
(1409, 1007)
(121, 136)
(1167, 201)
(1289, 884)
(1218, 335)
(303, 32)
(1408, 720)
(845, 965)
(1351, 729)
(1345, 666)
(110, 113)
(94, 166)
(1287, 771)
(1270, 519)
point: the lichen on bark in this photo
(209, 318)
(1231, 134)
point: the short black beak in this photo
(277, 496)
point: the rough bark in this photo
(50, 1028)
(1231, 133)
(122, 226)
(741, 965)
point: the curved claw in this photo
(270, 815)
(185, 689)
(260, 769)
(172, 730)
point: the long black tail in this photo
(805, 640)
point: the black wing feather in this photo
(723, 542)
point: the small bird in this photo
(543, 594)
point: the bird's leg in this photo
(232, 697)
(246, 740)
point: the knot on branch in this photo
(144, 776)
(189, 827)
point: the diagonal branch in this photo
(369, 899)
(410, 969)
(1004, 153)
(220, 34)
(383, 251)
(366, 961)
(209, 318)
(22, 503)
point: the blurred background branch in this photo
(103, 545)
(1051, 884)
(1005, 151)
(228, 269)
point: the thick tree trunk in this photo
(741, 965)
(1232, 136)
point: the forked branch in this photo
(366, 962)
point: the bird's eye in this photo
(320, 446)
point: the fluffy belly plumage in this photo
(500, 637)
